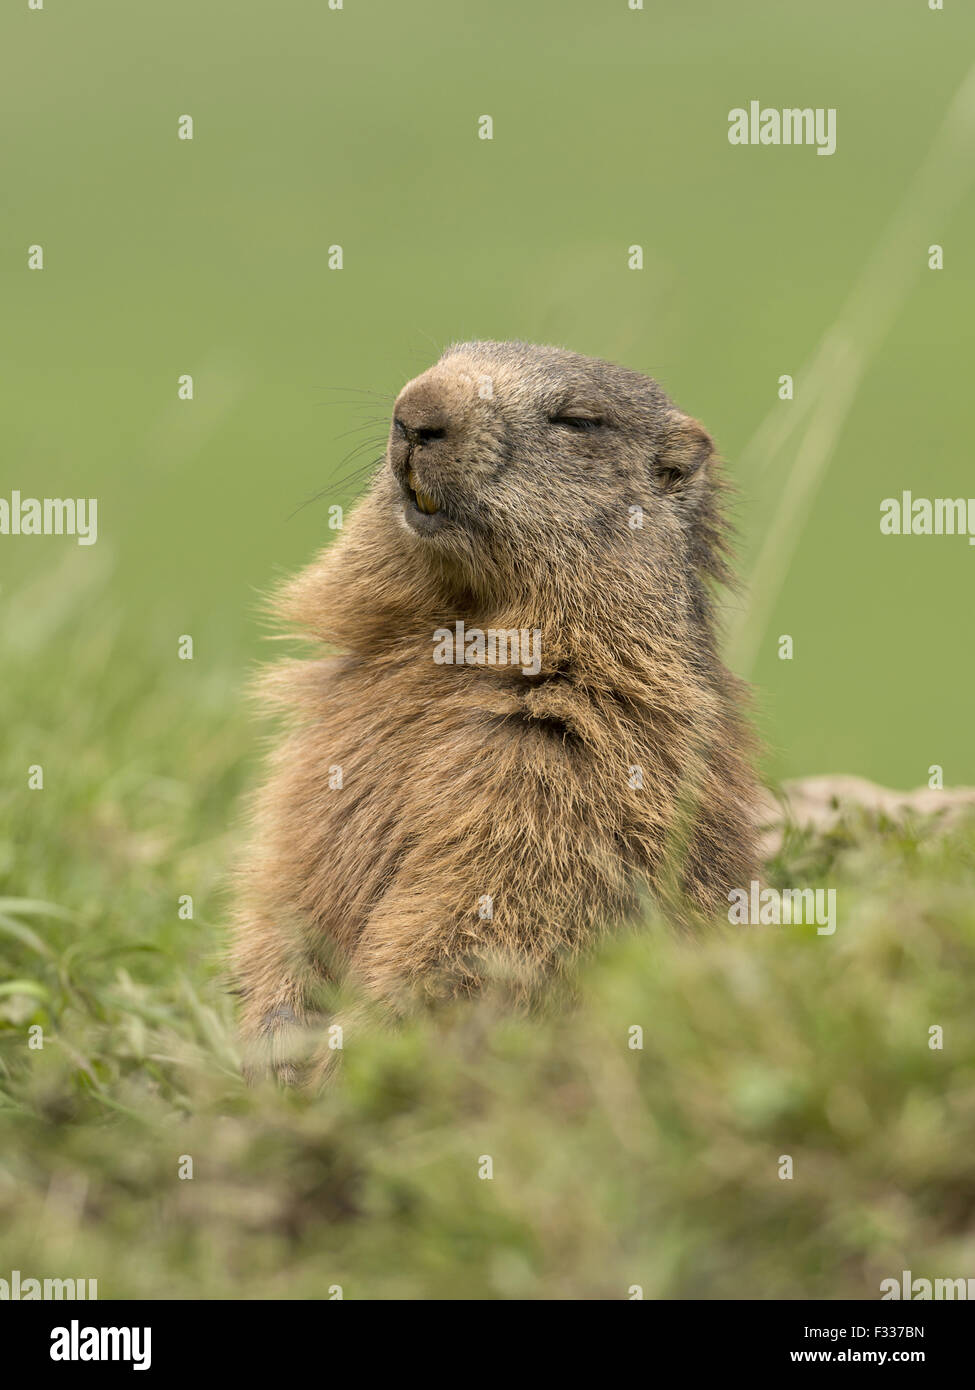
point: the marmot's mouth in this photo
(421, 500)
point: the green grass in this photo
(612, 1166)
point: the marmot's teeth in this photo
(424, 501)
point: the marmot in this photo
(526, 710)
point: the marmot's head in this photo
(549, 489)
(506, 460)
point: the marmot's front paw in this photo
(276, 1048)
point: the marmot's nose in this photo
(420, 413)
(420, 417)
(418, 434)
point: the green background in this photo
(358, 127)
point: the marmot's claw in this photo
(272, 1055)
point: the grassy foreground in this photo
(612, 1166)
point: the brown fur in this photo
(462, 782)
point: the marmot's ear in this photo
(684, 447)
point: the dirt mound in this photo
(821, 802)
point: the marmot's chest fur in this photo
(363, 787)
